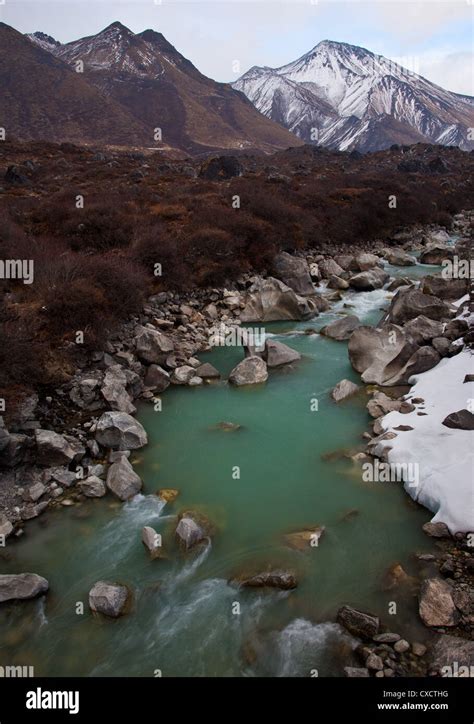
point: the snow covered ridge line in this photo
(345, 97)
(445, 454)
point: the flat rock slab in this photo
(22, 586)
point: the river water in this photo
(186, 619)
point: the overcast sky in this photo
(432, 37)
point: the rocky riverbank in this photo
(78, 440)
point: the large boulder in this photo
(460, 420)
(411, 303)
(251, 371)
(422, 329)
(114, 390)
(436, 606)
(385, 356)
(55, 449)
(342, 328)
(436, 254)
(277, 354)
(284, 580)
(152, 542)
(21, 586)
(183, 375)
(358, 623)
(329, 268)
(294, 272)
(120, 431)
(152, 346)
(369, 280)
(399, 257)
(381, 404)
(156, 378)
(92, 487)
(364, 261)
(270, 300)
(109, 599)
(122, 479)
(343, 390)
(208, 372)
(444, 288)
(193, 528)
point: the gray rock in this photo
(411, 303)
(152, 346)
(364, 261)
(399, 257)
(381, 404)
(156, 378)
(444, 288)
(92, 487)
(342, 328)
(251, 371)
(437, 530)
(294, 272)
(120, 431)
(21, 586)
(284, 580)
(35, 492)
(374, 662)
(441, 345)
(422, 329)
(182, 375)
(207, 372)
(343, 390)
(456, 328)
(460, 420)
(335, 282)
(369, 280)
(270, 300)
(358, 623)
(402, 646)
(118, 398)
(152, 542)
(192, 529)
(6, 527)
(329, 268)
(109, 599)
(122, 480)
(277, 354)
(436, 606)
(436, 254)
(54, 449)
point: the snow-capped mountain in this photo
(345, 97)
(129, 85)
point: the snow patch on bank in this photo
(445, 456)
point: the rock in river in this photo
(251, 371)
(358, 623)
(122, 479)
(303, 540)
(285, 580)
(367, 281)
(436, 606)
(21, 586)
(152, 542)
(193, 528)
(342, 328)
(120, 431)
(344, 389)
(277, 354)
(110, 599)
(269, 300)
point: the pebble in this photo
(401, 646)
